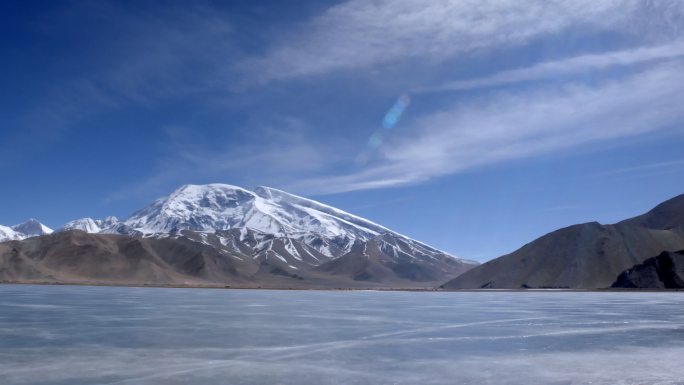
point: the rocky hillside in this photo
(666, 271)
(219, 234)
(589, 255)
(236, 257)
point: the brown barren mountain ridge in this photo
(584, 256)
(665, 271)
(224, 235)
(201, 259)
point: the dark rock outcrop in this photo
(666, 271)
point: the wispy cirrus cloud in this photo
(193, 55)
(568, 67)
(279, 155)
(652, 166)
(501, 127)
(509, 126)
(360, 34)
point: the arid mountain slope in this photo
(219, 234)
(236, 257)
(667, 215)
(386, 258)
(666, 271)
(589, 255)
(79, 257)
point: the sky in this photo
(474, 126)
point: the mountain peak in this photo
(106, 222)
(32, 228)
(216, 206)
(270, 232)
(664, 216)
(204, 195)
(193, 207)
(88, 225)
(263, 192)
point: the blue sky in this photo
(517, 117)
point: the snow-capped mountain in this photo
(213, 207)
(7, 234)
(88, 225)
(220, 207)
(32, 228)
(107, 222)
(222, 234)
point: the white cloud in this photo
(652, 166)
(278, 153)
(512, 126)
(359, 33)
(575, 65)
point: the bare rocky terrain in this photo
(584, 256)
(223, 235)
(666, 271)
(268, 238)
(247, 259)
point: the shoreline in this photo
(411, 289)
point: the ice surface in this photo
(86, 335)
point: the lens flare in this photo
(394, 114)
(375, 140)
(390, 120)
(361, 159)
(404, 100)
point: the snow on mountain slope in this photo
(84, 224)
(215, 207)
(336, 221)
(219, 207)
(266, 236)
(107, 222)
(88, 225)
(197, 208)
(7, 234)
(32, 228)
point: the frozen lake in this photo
(105, 335)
